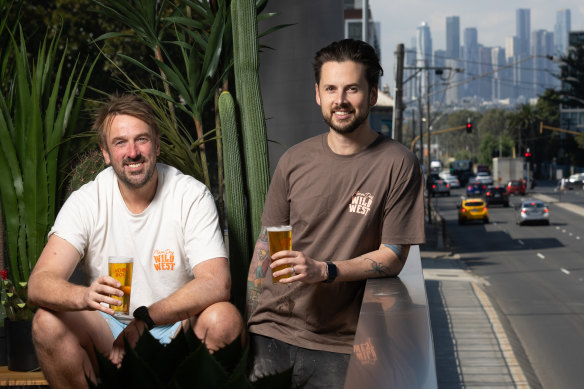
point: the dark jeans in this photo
(318, 369)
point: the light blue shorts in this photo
(164, 334)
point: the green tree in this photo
(572, 76)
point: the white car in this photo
(484, 178)
(450, 179)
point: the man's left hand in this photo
(132, 333)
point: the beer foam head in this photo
(279, 228)
(120, 259)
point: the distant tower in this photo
(471, 59)
(523, 30)
(542, 47)
(562, 31)
(424, 51)
(453, 37)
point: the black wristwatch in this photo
(331, 271)
(141, 313)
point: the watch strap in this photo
(332, 272)
(142, 313)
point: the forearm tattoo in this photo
(258, 269)
(378, 268)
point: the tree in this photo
(572, 76)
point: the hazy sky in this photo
(494, 20)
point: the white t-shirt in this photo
(177, 231)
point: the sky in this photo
(493, 19)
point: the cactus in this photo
(236, 215)
(90, 165)
(249, 100)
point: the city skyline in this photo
(493, 28)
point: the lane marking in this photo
(520, 242)
(514, 368)
(541, 255)
(565, 271)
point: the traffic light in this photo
(468, 127)
(527, 156)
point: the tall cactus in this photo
(249, 100)
(236, 213)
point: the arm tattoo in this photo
(259, 267)
(378, 268)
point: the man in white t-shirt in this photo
(137, 208)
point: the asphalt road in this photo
(535, 279)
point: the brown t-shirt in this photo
(339, 207)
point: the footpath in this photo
(470, 344)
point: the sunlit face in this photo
(344, 95)
(131, 148)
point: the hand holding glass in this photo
(121, 269)
(280, 238)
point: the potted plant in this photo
(39, 106)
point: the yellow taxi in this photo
(473, 209)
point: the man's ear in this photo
(373, 96)
(105, 154)
(317, 94)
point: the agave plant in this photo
(39, 107)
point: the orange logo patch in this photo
(164, 259)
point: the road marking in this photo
(515, 369)
(565, 271)
(520, 242)
(577, 238)
(541, 255)
(570, 234)
(563, 231)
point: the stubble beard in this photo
(347, 126)
(133, 180)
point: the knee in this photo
(46, 327)
(219, 325)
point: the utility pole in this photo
(429, 144)
(365, 20)
(398, 88)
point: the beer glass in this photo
(121, 268)
(280, 238)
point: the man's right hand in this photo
(100, 291)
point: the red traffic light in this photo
(469, 127)
(528, 155)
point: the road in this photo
(535, 278)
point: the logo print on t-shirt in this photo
(164, 259)
(361, 203)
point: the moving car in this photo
(451, 180)
(575, 181)
(440, 187)
(484, 178)
(516, 187)
(532, 211)
(475, 189)
(497, 195)
(472, 209)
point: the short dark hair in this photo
(127, 104)
(350, 50)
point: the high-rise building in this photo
(485, 82)
(542, 49)
(471, 59)
(424, 51)
(562, 31)
(523, 30)
(410, 87)
(499, 82)
(453, 37)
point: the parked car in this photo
(475, 189)
(575, 181)
(440, 187)
(516, 187)
(451, 180)
(532, 211)
(497, 195)
(473, 209)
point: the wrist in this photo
(142, 314)
(331, 272)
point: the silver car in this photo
(532, 211)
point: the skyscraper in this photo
(471, 59)
(562, 31)
(424, 51)
(523, 30)
(542, 47)
(453, 37)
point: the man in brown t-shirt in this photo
(354, 199)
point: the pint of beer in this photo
(121, 268)
(280, 238)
